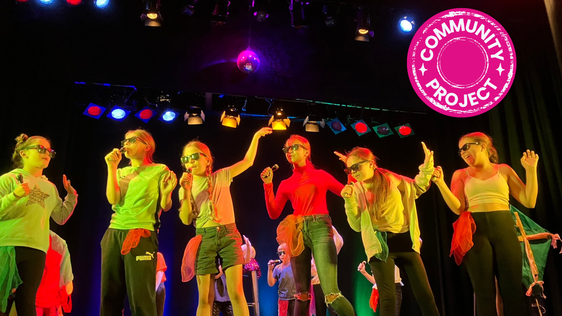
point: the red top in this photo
(47, 293)
(161, 266)
(306, 189)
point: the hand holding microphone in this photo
(271, 264)
(267, 173)
(186, 180)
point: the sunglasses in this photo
(466, 146)
(195, 156)
(293, 148)
(354, 167)
(131, 140)
(42, 149)
(280, 253)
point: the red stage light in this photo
(361, 127)
(145, 114)
(74, 2)
(21, 0)
(94, 110)
(405, 130)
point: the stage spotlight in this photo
(189, 8)
(383, 130)
(169, 115)
(145, 114)
(279, 121)
(406, 25)
(330, 11)
(194, 116)
(336, 126)
(46, 1)
(74, 2)
(101, 3)
(118, 113)
(21, 1)
(230, 117)
(363, 25)
(298, 19)
(404, 130)
(361, 127)
(312, 123)
(94, 110)
(221, 12)
(260, 10)
(151, 15)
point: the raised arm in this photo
(423, 178)
(167, 184)
(527, 193)
(248, 160)
(63, 210)
(271, 280)
(112, 191)
(454, 198)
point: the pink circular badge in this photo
(461, 62)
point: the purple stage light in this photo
(248, 61)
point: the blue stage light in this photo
(168, 116)
(406, 25)
(46, 1)
(101, 3)
(118, 113)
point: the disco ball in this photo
(248, 61)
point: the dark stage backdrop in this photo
(46, 51)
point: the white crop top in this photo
(492, 190)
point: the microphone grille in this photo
(274, 167)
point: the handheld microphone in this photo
(123, 150)
(364, 263)
(189, 170)
(277, 261)
(274, 167)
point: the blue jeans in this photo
(319, 241)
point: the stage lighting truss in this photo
(194, 116)
(404, 130)
(230, 117)
(312, 123)
(151, 15)
(279, 121)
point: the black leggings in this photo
(31, 263)
(496, 253)
(409, 261)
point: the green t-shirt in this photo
(25, 222)
(139, 206)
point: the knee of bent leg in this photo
(303, 296)
(330, 298)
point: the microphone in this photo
(277, 261)
(274, 167)
(189, 170)
(123, 150)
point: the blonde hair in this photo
(22, 142)
(484, 139)
(208, 172)
(381, 183)
(147, 138)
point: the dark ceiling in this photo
(83, 43)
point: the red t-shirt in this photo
(306, 189)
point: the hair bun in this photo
(22, 138)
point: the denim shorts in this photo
(222, 241)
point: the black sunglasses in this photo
(466, 146)
(131, 140)
(195, 156)
(42, 149)
(354, 167)
(279, 253)
(293, 148)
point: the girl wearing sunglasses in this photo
(27, 200)
(205, 201)
(308, 230)
(284, 274)
(485, 238)
(381, 205)
(138, 193)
